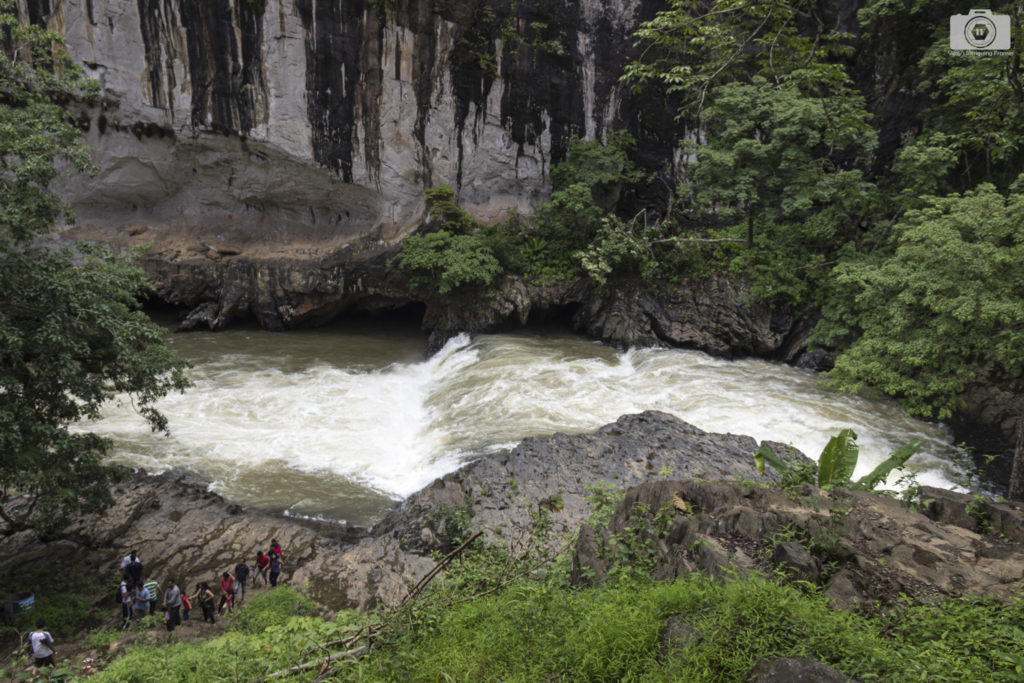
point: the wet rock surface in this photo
(180, 529)
(863, 547)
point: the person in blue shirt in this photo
(142, 598)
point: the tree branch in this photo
(354, 652)
(434, 572)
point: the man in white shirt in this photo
(41, 642)
(127, 560)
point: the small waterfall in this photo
(340, 423)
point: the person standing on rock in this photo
(134, 569)
(275, 568)
(127, 560)
(275, 548)
(227, 592)
(262, 563)
(172, 605)
(205, 597)
(142, 598)
(241, 575)
(153, 588)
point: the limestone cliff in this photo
(332, 116)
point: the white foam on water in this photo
(292, 433)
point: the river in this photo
(338, 423)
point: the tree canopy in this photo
(943, 308)
(71, 333)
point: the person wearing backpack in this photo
(41, 643)
(204, 596)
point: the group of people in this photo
(139, 594)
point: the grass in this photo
(537, 630)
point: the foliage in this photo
(443, 261)
(248, 652)
(270, 609)
(585, 189)
(938, 312)
(776, 151)
(837, 462)
(457, 254)
(442, 208)
(695, 46)
(71, 336)
(64, 598)
(976, 111)
(784, 138)
(530, 632)
(507, 612)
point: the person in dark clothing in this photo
(134, 569)
(241, 575)
(205, 597)
(275, 568)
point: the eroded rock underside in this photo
(864, 547)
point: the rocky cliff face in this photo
(332, 116)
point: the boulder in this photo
(795, 670)
(862, 546)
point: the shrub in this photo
(272, 608)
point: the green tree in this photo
(443, 261)
(695, 46)
(774, 154)
(71, 334)
(977, 102)
(941, 310)
(585, 189)
(776, 135)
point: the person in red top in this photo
(227, 592)
(262, 562)
(275, 548)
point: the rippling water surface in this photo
(340, 422)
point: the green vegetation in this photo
(538, 628)
(911, 251)
(71, 334)
(941, 309)
(835, 465)
(461, 252)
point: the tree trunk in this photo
(1016, 489)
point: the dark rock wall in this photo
(333, 68)
(225, 63)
